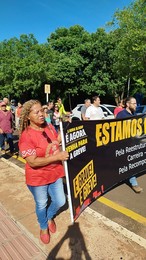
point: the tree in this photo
(130, 52)
(70, 58)
(97, 73)
(73, 61)
(22, 68)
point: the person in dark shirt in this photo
(129, 111)
(50, 112)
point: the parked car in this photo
(141, 109)
(108, 111)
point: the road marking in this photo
(125, 232)
(123, 210)
(19, 158)
(111, 204)
(16, 156)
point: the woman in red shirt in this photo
(119, 108)
(39, 145)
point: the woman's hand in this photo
(62, 156)
(48, 150)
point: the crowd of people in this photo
(10, 119)
(39, 144)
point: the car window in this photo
(105, 110)
(79, 109)
(111, 108)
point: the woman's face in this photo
(36, 115)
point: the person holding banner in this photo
(39, 145)
(129, 111)
(94, 112)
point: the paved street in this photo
(125, 207)
(113, 227)
(91, 237)
(121, 204)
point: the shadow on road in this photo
(76, 244)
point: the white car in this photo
(108, 111)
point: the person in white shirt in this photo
(94, 112)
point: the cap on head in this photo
(2, 104)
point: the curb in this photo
(13, 165)
(116, 227)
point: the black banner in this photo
(101, 154)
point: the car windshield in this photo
(111, 108)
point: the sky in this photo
(43, 17)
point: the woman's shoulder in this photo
(28, 133)
(28, 136)
(50, 128)
(25, 133)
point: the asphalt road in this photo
(121, 204)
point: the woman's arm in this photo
(35, 161)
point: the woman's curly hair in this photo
(24, 121)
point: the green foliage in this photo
(129, 54)
(21, 67)
(75, 62)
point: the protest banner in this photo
(102, 153)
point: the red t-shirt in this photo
(35, 142)
(117, 110)
(18, 111)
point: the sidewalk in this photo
(89, 238)
(14, 243)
